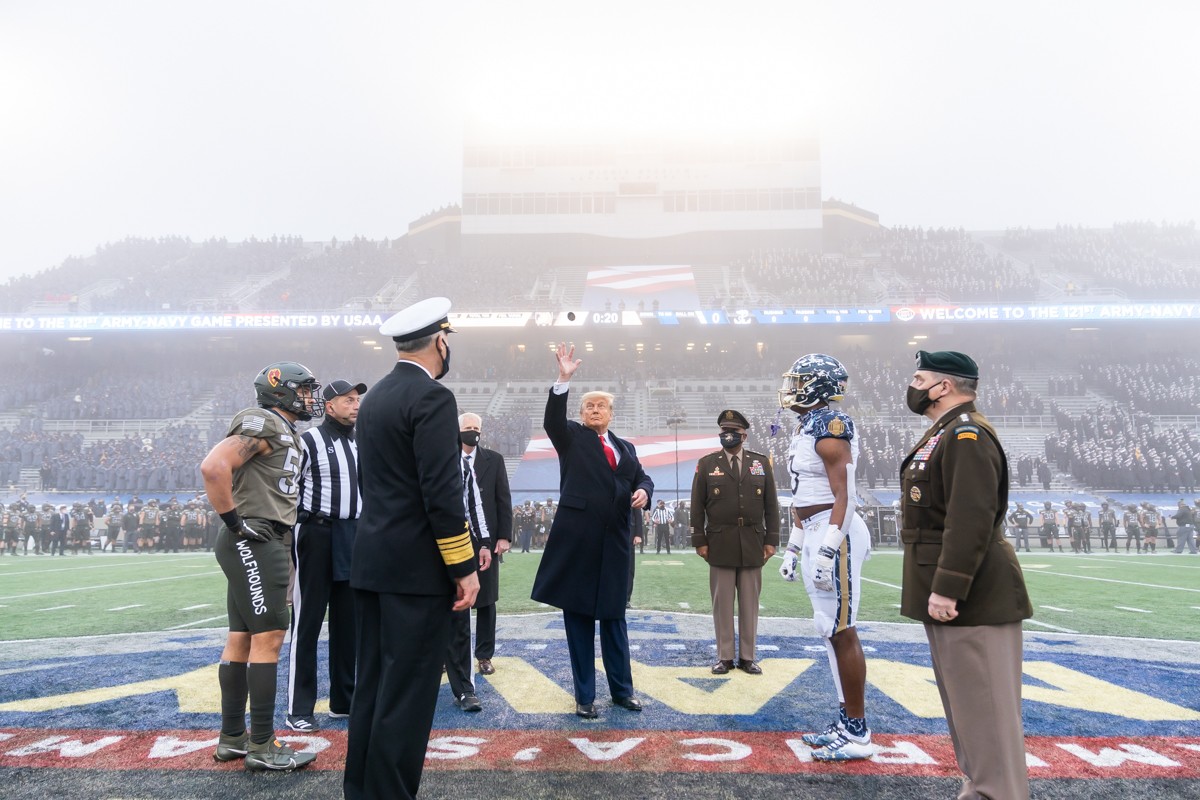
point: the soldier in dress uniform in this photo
(735, 528)
(961, 576)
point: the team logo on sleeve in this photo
(836, 427)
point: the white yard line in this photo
(193, 608)
(1135, 560)
(126, 608)
(1048, 625)
(54, 608)
(103, 566)
(1102, 580)
(109, 585)
(880, 583)
(1056, 608)
(197, 622)
(1128, 608)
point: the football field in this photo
(109, 690)
(1153, 596)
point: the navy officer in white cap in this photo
(413, 560)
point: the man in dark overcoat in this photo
(585, 567)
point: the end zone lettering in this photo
(776, 752)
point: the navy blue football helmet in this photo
(813, 378)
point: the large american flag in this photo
(672, 285)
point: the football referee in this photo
(330, 501)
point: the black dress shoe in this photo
(628, 703)
(469, 702)
(585, 710)
(722, 667)
(749, 667)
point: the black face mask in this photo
(469, 438)
(918, 400)
(445, 362)
(731, 440)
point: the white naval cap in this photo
(420, 319)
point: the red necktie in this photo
(608, 453)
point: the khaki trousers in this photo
(746, 584)
(978, 671)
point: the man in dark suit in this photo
(60, 523)
(585, 567)
(413, 562)
(491, 486)
(962, 578)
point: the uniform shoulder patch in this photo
(252, 422)
(825, 423)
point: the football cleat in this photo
(274, 755)
(845, 748)
(827, 736)
(230, 748)
(304, 724)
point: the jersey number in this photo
(291, 465)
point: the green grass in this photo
(187, 591)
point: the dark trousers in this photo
(662, 537)
(458, 654)
(401, 648)
(485, 631)
(315, 590)
(58, 541)
(614, 650)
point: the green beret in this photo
(948, 362)
(731, 417)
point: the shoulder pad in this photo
(826, 423)
(756, 455)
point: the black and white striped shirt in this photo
(329, 481)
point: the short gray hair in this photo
(961, 385)
(415, 345)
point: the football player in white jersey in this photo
(829, 541)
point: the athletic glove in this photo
(823, 568)
(246, 532)
(238, 527)
(788, 568)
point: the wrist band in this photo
(833, 537)
(231, 519)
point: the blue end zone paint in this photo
(806, 703)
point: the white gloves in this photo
(791, 561)
(823, 568)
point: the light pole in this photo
(677, 418)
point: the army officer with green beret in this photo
(961, 577)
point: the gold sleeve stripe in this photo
(456, 549)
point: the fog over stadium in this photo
(316, 120)
(695, 197)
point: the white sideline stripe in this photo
(1138, 610)
(879, 583)
(1091, 578)
(55, 608)
(1056, 608)
(1157, 564)
(197, 622)
(126, 608)
(112, 585)
(193, 608)
(140, 563)
(1051, 627)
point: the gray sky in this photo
(320, 119)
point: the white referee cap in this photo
(420, 319)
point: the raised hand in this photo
(567, 363)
